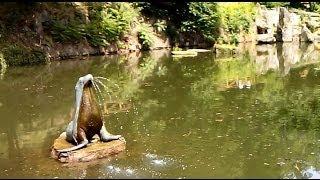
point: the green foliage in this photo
(207, 18)
(70, 33)
(203, 18)
(160, 26)
(19, 55)
(236, 17)
(108, 22)
(152, 10)
(145, 34)
(315, 7)
(176, 48)
(275, 4)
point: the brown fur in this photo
(90, 118)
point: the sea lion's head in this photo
(85, 81)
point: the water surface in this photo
(251, 115)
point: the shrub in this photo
(108, 23)
(145, 35)
(203, 18)
(160, 25)
(19, 55)
(67, 33)
(315, 7)
(236, 17)
(112, 20)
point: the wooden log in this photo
(194, 53)
(199, 50)
(94, 150)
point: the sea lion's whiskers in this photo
(101, 83)
(99, 77)
(99, 98)
(98, 80)
(98, 90)
(105, 88)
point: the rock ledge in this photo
(94, 150)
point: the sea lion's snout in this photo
(85, 79)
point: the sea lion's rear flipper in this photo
(105, 136)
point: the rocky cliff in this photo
(286, 25)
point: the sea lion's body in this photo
(87, 118)
(90, 118)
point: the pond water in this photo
(251, 115)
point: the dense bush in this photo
(18, 55)
(108, 22)
(315, 7)
(203, 18)
(152, 9)
(145, 35)
(236, 17)
(160, 26)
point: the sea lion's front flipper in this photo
(105, 136)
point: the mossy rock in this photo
(17, 55)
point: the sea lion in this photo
(87, 118)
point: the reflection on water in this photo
(253, 115)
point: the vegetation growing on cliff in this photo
(19, 55)
(108, 22)
(205, 18)
(37, 27)
(101, 24)
(235, 18)
(145, 35)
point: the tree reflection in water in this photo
(252, 115)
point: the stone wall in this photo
(286, 25)
(271, 25)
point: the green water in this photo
(182, 118)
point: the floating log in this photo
(199, 50)
(94, 150)
(184, 53)
(181, 56)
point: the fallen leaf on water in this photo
(281, 163)
(219, 120)
(187, 134)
